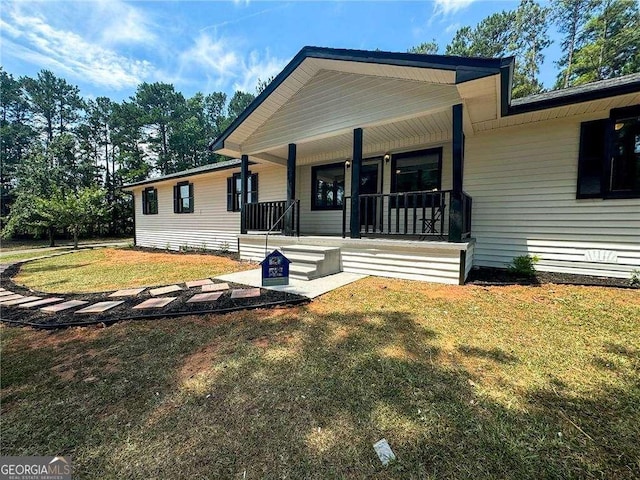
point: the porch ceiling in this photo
(392, 136)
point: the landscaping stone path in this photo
(100, 307)
(155, 303)
(163, 290)
(63, 306)
(210, 293)
(22, 306)
(129, 292)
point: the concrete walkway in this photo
(306, 288)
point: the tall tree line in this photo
(600, 40)
(57, 146)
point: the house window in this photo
(234, 191)
(609, 161)
(416, 172)
(150, 201)
(183, 198)
(327, 187)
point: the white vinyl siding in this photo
(210, 226)
(523, 182)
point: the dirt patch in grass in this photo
(198, 362)
(39, 339)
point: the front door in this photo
(370, 183)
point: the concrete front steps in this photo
(309, 262)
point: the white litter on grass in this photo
(385, 454)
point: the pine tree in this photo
(610, 43)
(571, 17)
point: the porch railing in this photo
(426, 214)
(270, 216)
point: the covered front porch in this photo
(412, 193)
(371, 148)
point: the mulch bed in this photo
(500, 276)
(36, 318)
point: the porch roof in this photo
(323, 93)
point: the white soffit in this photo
(392, 136)
(310, 67)
(594, 108)
(335, 102)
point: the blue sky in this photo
(108, 47)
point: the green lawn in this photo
(17, 245)
(112, 268)
(15, 256)
(464, 382)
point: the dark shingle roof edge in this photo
(188, 173)
(582, 93)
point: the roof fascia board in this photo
(506, 83)
(419, 60)
(178, 176)
(578, 97)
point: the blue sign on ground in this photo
(275, 269)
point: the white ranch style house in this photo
(413, 166)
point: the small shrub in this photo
(167, 247)
(524, 265)
(184, 248)
(634, 279)
(224, 247)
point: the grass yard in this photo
(113, 268)
(464, 382)
(9, 246)
(16, 255)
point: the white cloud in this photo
(224, 65)
(212, 54)
(451, 6)
(121, 23)
(452, 28)
(257, 68)
(33, 39)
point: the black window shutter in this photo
(191, 198)
(592, 159)
(254, 188)
(176, 199)
(144, 202)
(155, 201)
(230, 194)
